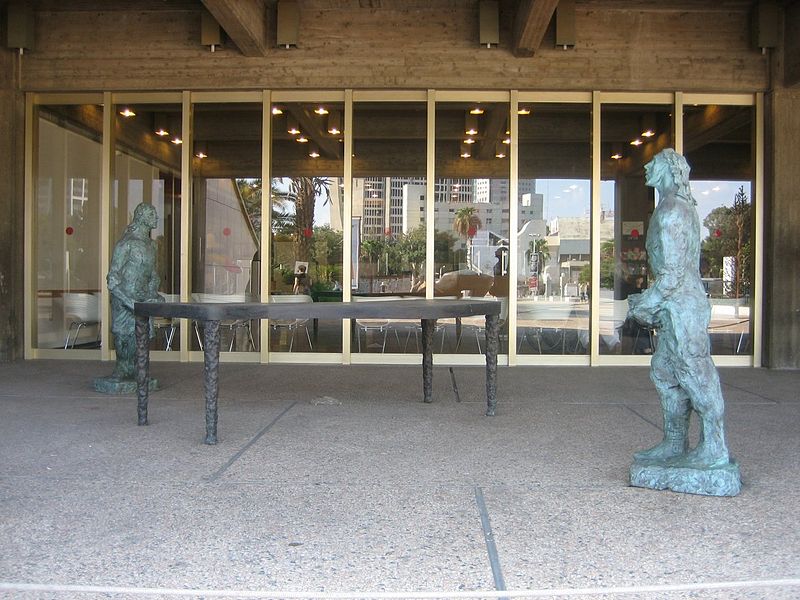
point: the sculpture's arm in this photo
(670, 269)
(114, 277)
(155, 281)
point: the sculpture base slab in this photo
(111, 385)
(718, 481)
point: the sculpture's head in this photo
(145, 215)
(669, 170)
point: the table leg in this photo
(428, 327)
(211, 377)
(492, 346)
(142, 366)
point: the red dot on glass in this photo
(472, 231)
(717, 233)
(226, 231)
(69, 230)
(635, 234)
(308, 232)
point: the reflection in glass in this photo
(147, 169)
(307, 192)
(719, 148)
(226, 167)
(554, 267)
(631, 135)
(471, 212)
(67, 222)
(389, 186)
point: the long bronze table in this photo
(210, 314)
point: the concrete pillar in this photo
(782, 230)
(12, 153)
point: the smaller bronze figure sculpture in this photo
(132, 277)
(682, 370)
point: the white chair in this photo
(81, 310)
(234, 325)
(291, 325)
(379, 326)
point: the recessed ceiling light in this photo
(616, 156)
(637, 142)
(276, 110)
(127, 112)
(321, 110)
(476, 110)
(469, 141)
(523, 110)
(648, 133)
(302, 139)
(177, 140)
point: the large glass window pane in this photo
(631, 135)
(147, 168)
(226, 167)
(67, 226)
(718, 144)
(471, 215)
(389, 186)
(307, 214)
(554, 239)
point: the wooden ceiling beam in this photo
(245, 22)
(530, 24)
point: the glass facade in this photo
(524, 208)
(67, 226)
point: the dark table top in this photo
(367, 309)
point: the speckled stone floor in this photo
(337, 482)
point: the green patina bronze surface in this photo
(131, 278)
(682, 370)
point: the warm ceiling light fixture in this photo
(277, 110)
(507, 140)
(176, 140)
(291, 126)
(465, 152)
(321, 110)
(127, 112)
(523, 110)
(471, 125)
(469, 141)
(313, 151)
(637, 142)
(648, 133)
(335, 123)
(160, 125)
(616, 156)
(302, 139)
(499, 151)
(476, 110)
(200, 150)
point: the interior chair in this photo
(81, 310)
(166, 325)
(233, 325)
(291, 325)
(376, 326)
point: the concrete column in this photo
(782, 230)
(12, 153)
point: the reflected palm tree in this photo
(466, 225)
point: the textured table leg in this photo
(492, 346)
(428, 327)
(142, 366)
(211, 377)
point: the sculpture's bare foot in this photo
(666, 450)
(705, 456)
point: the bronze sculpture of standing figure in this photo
(676, 305)
(132, 277)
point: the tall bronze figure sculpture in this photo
(682, 370)
(132, 277)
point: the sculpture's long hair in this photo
(680, 173)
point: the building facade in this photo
(259, 158)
